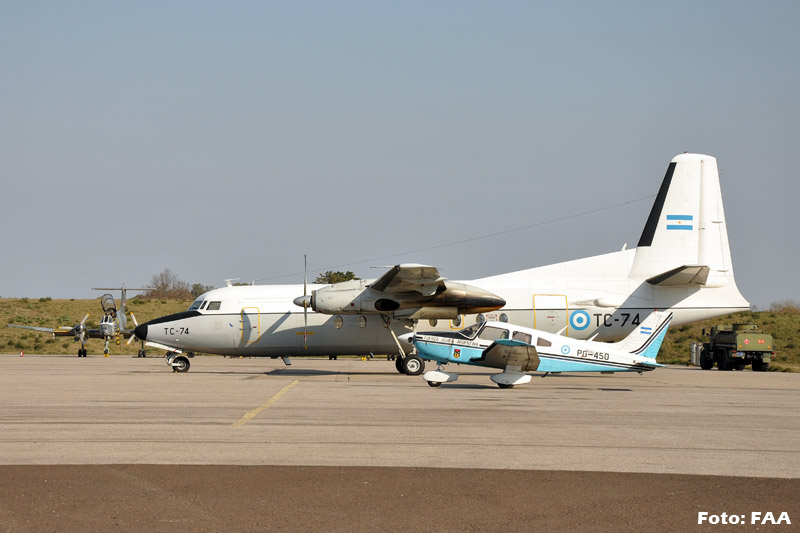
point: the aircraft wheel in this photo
(434, 383)
(398, 364)
(180, 364)
(505, 386)
(413, 365)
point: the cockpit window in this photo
(213, 306)
(490, 333)
(470, 331)
(195, 305)
(543, 342)
(203, 306)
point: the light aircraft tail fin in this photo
(685, 240)
(646, 339)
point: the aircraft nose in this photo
(141, 331)
(406, 337)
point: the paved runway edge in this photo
(289, 498)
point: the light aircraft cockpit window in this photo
(492, 334)
(522, 337)
(195, 305)
(469, 332)
(543, 342)
(213, 306)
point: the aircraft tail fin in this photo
(685, 240)
(646, 339)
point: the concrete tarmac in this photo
(351, 418)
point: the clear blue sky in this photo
(228, 139)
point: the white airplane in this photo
(681, 264)
(518, 350)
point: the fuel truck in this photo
(734, 348)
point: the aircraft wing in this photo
(504, 352)
(66, 331)
(410, 277)
(56, 332)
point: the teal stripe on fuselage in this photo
(445, 353)
(549, 364)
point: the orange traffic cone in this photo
(22, 353)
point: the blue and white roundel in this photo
(579, 320)
(565, 349)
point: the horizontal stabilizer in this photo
(681, 276)
(649, 362)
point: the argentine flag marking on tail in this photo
(680, 222)
(645, 330)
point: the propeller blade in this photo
(305, 302)
(84, 319)
(135, 323)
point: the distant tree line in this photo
(167, 285)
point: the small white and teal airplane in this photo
(518, 350)
(681, 264)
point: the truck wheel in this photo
(760, 366)
(722, 360)
(705, 361)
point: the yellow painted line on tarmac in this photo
(257, 410)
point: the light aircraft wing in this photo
(409, 277)
(503, 353)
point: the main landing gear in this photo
(411, 364)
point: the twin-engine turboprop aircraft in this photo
(681, 264)
(518, 350)
(113, 325)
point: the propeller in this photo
(304, 301)
(80, 330)
(133, 335)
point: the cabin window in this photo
(213, 306)
(195, 305)
(492, 334)
(543, 342)
(469, 332)
(522, 337)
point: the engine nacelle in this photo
(357, 298)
